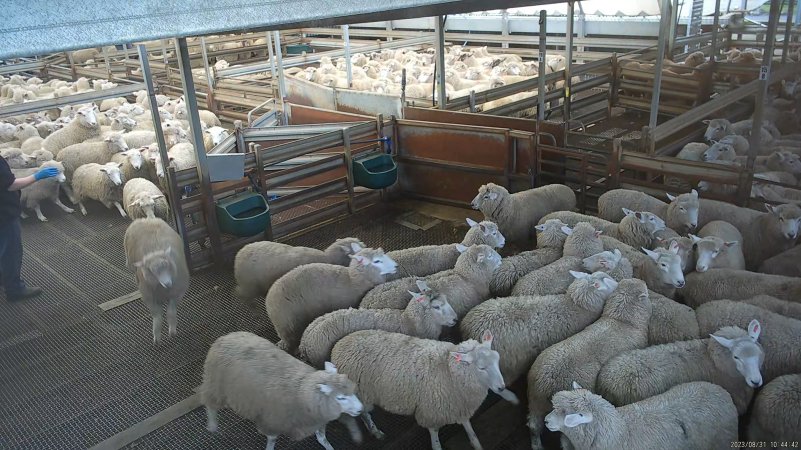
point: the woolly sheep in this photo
(16, 159)
(681, 214)
(671, 321)
(32, 144)
(84, 127)
(32, 196)
(41, 156)
(780, 338)
(181, 157)
(207, 118)
(775, 417)
(430, 259)
(156, 254)
(686, 251)
(134, 163)
(295, 299)
(424, 317)
(140, 138)
(662, 270)
(786, 263)
(717, 246)
(731, 358)
(76, 155)
(719, 128)
(739, 143)
(716, 284)
(611, 262)
(623, 326)
(141, 198)
(636, 228)
(517, 214)
(557, 317)
(457, 377)
(98, 182)
(691, 415)
(261, 383)
(783, 307)
(550, 241)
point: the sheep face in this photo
(373, 257)
(707, 249)
(650, 221)
(124, 122)
(719, 151)
(147, 203)
(338, 392)
(668, 263)
(483, 255)
(716, 129)
(684, 209)
(112, 171)
(437, 305)
(747, 355)
(135, 157)
(116, 143)
(787, 220)
(604, 261)
(597, 282)
(492, 235)
(60, 177)
(87, 116)
(786, 162)
(484, 361)
(158, 267)
(489, 198)
(571, 409)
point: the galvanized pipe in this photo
(439, 31)
(348, 64)
(663, 31)
(541, 75)
(715, 27)
(674, 25)
(204, 53)
(280, 68)
(569, 57)
(504, 26)
(787, 29)
(271, 55)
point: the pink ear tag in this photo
(421, 298)
(756, 328)
(458, 357)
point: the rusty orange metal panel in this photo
(457, 144)
(437, 183)
(482, 120)
(304, 115)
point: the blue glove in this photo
(45, 173)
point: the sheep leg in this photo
(172, 316)
(471, 434)
(23, 215)
(63, 207)
(536, 420)
(435, 445)
(271, 442)
(211, 419)
(368, 422)
(83, 208)
(119, 208)
(322, 439)
(70, 194)
(39, 214)
(353, 428)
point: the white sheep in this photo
(296, 299)
(207, 118)
(557, 317)
(671, 321)
(775, 417)
(718, 246)
(76, 155)
(134, 163)
(783, 307)
(430, 259)
(16, 159)
(731, 358)
(262, 384)
(140, 138)
(662, 270)
(780, 338)
(181, 157)
(84, 127)
(681, 214)
(716, 284)
(98, 182)
(719, 128)
(691, 415)
(155, 252)
(440, 383)
(637, 228)
(623, 326)
(32, 196)
(786, 263)
(424, 317)
(143, 199)
(517, 214)
(259, 264)
(611, 262)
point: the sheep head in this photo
(668, 265)
(480, 358)
(112, 171)
(746, 354)
(87, 116)
(785, 220)
(682, 213)
(336, 392)
(158, 267)
(716, 129)
(604, 261)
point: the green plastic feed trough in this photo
(375, 172)
(298, 49)
(244, 214)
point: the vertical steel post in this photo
(787, 29)
(660, 58)
(541, 74)
(279, 62)
(172, 196)
(207, 199)
(107, 63)
(581, 27)
(673, 27)
(389, 28)
(439, 30)
(205, 55)
(798, 12)
(569, 57)
(273, 78)
(348, 66)
(505, 27)
(715, 27)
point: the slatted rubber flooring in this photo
(72, 375)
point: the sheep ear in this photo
(574, 420)
(674, 247)
(355, 247)
(540, 227)
(576, 386)
(754, 329)
(486, 338)
(652, 254)
(579, 275)
(694, 238)
(484, 229)
(325, 389)
(617, 253)
(462, 357)
(770, 208)
(418, 297)
(627, 211)
(730, 243)
(472, 223)
(695, 193)
(728, 343)
(155, 196)
(461, 248)
(670, 197)
(330, 367)
(567, 230)
(480, 257)
(493, 195)
(103, 169)
(134, 203)
(598, 233)
(706, 121)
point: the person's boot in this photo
(28, 292)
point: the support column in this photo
(205, 55)
(279, 62)
(674, 26)
(439, 31)
(541, 75)
(787, 29)
(505, 27)
(272, 57)
(389, 28)
(581, 27)
(664, 28)
(207, 200)
(348, 67)
(715, 27)
(569, 58)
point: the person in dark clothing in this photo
(10, 230)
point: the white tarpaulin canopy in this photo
(635, 7)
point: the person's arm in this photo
(23, 182)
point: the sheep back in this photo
(786, 263)
(74, 133)
(88, 182)
(670, 321)
(731, 284)
(513, 268)
(551, 279)
(783, 307)
(775, 414)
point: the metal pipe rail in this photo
(503, 91)
(84, 97)
(302, 131)
(28, 66)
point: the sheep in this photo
(430, 259)
(207, 118)
(134, 163)
(259, 264)
(32, 196)
(261, 383)
(16, 159)
(611, 262)
(155, 252)
(181, 157)
(783, 307)
(716, 284)
(424, 317)
(787, 263)
(777, 161)
(98, 182)
(294, 301)
(691, 415)
(686, 251)
(718, 247)
(140, 138)
(457, 377)
(550, 240)
(141, 198)
(661, 270)
(720, 128)
(681, 214)
(41, 156)
(671, 321)
(739, 143)
(781, 336)
(557, 317)
(84, 127)
(775, 415)
(636, 229)
(517, 214)
(76, 155)
(623, 326)
(32, 144)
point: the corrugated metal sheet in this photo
(35, 27)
